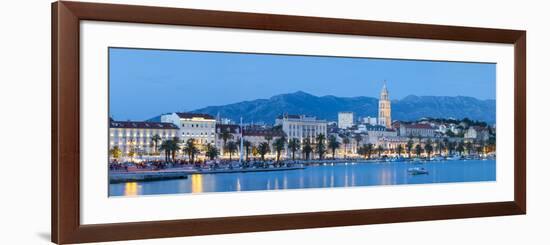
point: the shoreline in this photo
(183, 173)
(123, 177)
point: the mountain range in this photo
(327, 107)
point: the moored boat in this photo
(437, 158)
(417, 171)
(455, 157)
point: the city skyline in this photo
(157, 83)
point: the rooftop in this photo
(189, 115)
(289, 116)
(141, 125)
(479, 128)
(260, 131)
(417, 126)
(231, 128)
(299, 117)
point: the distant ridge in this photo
(327, 107)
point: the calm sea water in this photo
(341, 175)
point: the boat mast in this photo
(241, 148)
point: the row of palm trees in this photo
(429, 147)
(278, 146)
(172, 146)
(319, 145)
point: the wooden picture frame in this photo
(65, 174)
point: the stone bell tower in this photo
(384, 108)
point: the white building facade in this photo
(416, 130)
(137, 137)
(345, 119)
(302, 127)
(200, 127)
(476, 133)
(369, 120)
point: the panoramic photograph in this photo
(188, 122)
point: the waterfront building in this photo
(136, 137)
(232, 130)
(369, 120)
(415, 130)
(380, 131)
(390, 143)
(256, 135)
(301, 127)
(197, 126)
(345, 119)
(476, 133)
(384, 108)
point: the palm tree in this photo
(369, 148)
(480, 146)
(211, 151)
(155, 140)
(333, 144)
(226, 135)
(165, 146)
(428, 147)
(175, 147)
(399, 149)
(247, 145)
(132, 154)
(255, 151)
(263, 149)
(191, 149)
(460, 148)
(446, 145)
(268, 138)
(380, 149)
(362, 150)
(409, 147)
(418, 150)
(294, 145)
(320, 146)
(115, 152)
(440, 145)
(358, 138)
(279, 146)
(468, 147)
(346, 141)
(170, 147)
(231, 147)
(307, 149)
(452, 147)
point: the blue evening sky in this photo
(146, 83)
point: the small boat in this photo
(417, 171)
(455, 157)
(437, 158)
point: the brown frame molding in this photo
(66, 227)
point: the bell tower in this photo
(384, 108)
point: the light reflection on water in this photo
(131, 189)
(196, 183)
(361, 174)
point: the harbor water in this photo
(326, 176)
